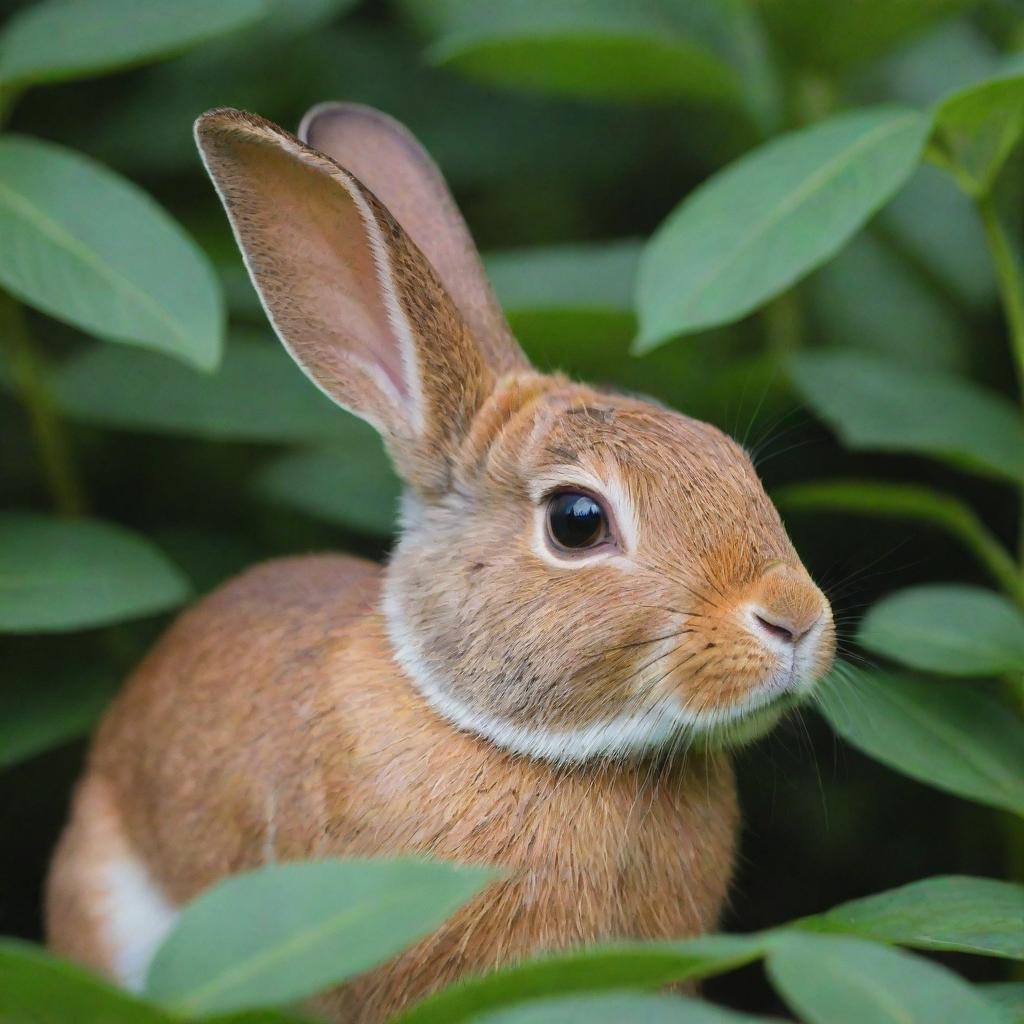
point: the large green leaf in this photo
(617, 1008)
(832, 980)
(977, 128)
(950, 629)
(907, 501)
(971, 915)
(280, 933)
(871, 403)
(88, 247)
(36, 988)
(61, 39)
(954, 736)
(37, 714)
(600, 968)
(657, 50)
(58, 575)
(907, 320)
(352, 485)
(258, 394)
(765, 221)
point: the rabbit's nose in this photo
(782, 627)
(784, 606)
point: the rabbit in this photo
(592, 599)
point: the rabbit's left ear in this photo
(352, 298)
(385, 156)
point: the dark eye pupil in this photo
(576, 520)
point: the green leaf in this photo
(38, 714)
(872, 404)
(617, 1008)
(61, 39)
(88, 247)
(953, 736)
(831, 980)
(278, 934)
(977, 128)
(1008, 996)
(907, 501)
(970, 915)
(595, 276)
(906, 321)
(658, 51)
(599, 968)
(36, 988)
(937, 224)
(353, 485)
(562, 298)
(950, 629)
(58, 575)
(258, 394)
(758, 226)
(953, 55)
(837, 35)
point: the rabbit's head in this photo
(580, 573)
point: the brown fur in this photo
(290, 715)
(227, 750)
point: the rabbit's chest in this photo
(614, 854)
(612, 851)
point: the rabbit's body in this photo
(271, 724)
(590, 595)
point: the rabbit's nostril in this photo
(775, 629)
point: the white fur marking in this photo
(138, 919)
(649, 729)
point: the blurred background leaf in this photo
(72, 575)
(876, 405)
(258, 395)
(767, 220)
(86, 246)
(56, 39)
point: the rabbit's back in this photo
(207, 749)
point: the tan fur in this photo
(306, 709)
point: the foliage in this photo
(737, 207)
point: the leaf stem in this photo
(47, 429)
(1010, 277)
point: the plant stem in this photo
(783, 324)
(47, 429)
(1010, 277)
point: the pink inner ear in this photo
(312, 255)
(385, 157)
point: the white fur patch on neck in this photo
(138, 918)
(658, 726)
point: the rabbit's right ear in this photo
(352, 298)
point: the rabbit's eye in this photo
(576, 520)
